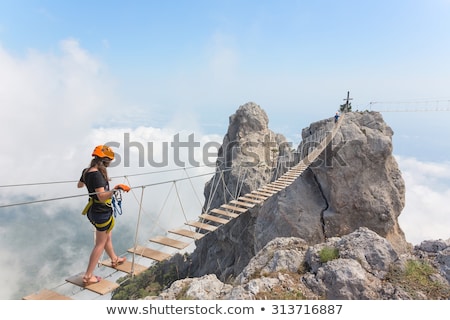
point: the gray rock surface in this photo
(294, 269)
(437, 251)
(360, 180)
(248, 154)
(203, 288)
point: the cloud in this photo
(49, 102)
(426, 215)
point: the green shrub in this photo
(328, 254)
(417, 277)
(149, 283)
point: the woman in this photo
(99, 210)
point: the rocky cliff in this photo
(345, 206)
(360, 181)
(354, 183)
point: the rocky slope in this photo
(360, 265)
(333, 233)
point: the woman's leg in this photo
(109, 248)
(101, 238)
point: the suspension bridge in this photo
(162, 247)
(418, 105)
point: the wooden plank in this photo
(297, 170)
(126, 267)
(293, 172)
(230, 207)
(276, 186)
(169, 242)
(243, 198)
(273, 190)
(288, 179)
(277, 183)
(243, 204)
(46, 294)
(214, 218)
(150, 253)
(187, 233)
(263, 193)
(225, 213)
(256, 196)
(102, 287)
(288, 176)
(201, 225)
(283, 181)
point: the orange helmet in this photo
(103, 151)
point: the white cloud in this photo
(48, 102)
(426, 215)
(9, 279)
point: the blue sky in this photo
(294, 58)
(74, 74)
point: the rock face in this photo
(246, 159)
(354, 183)
(437, 251)
(360, 180)
(291, 269)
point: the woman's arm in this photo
(103, 195)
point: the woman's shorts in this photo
(101, 221)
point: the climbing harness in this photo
(116, 202)
(111, 222)
(91, 202)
